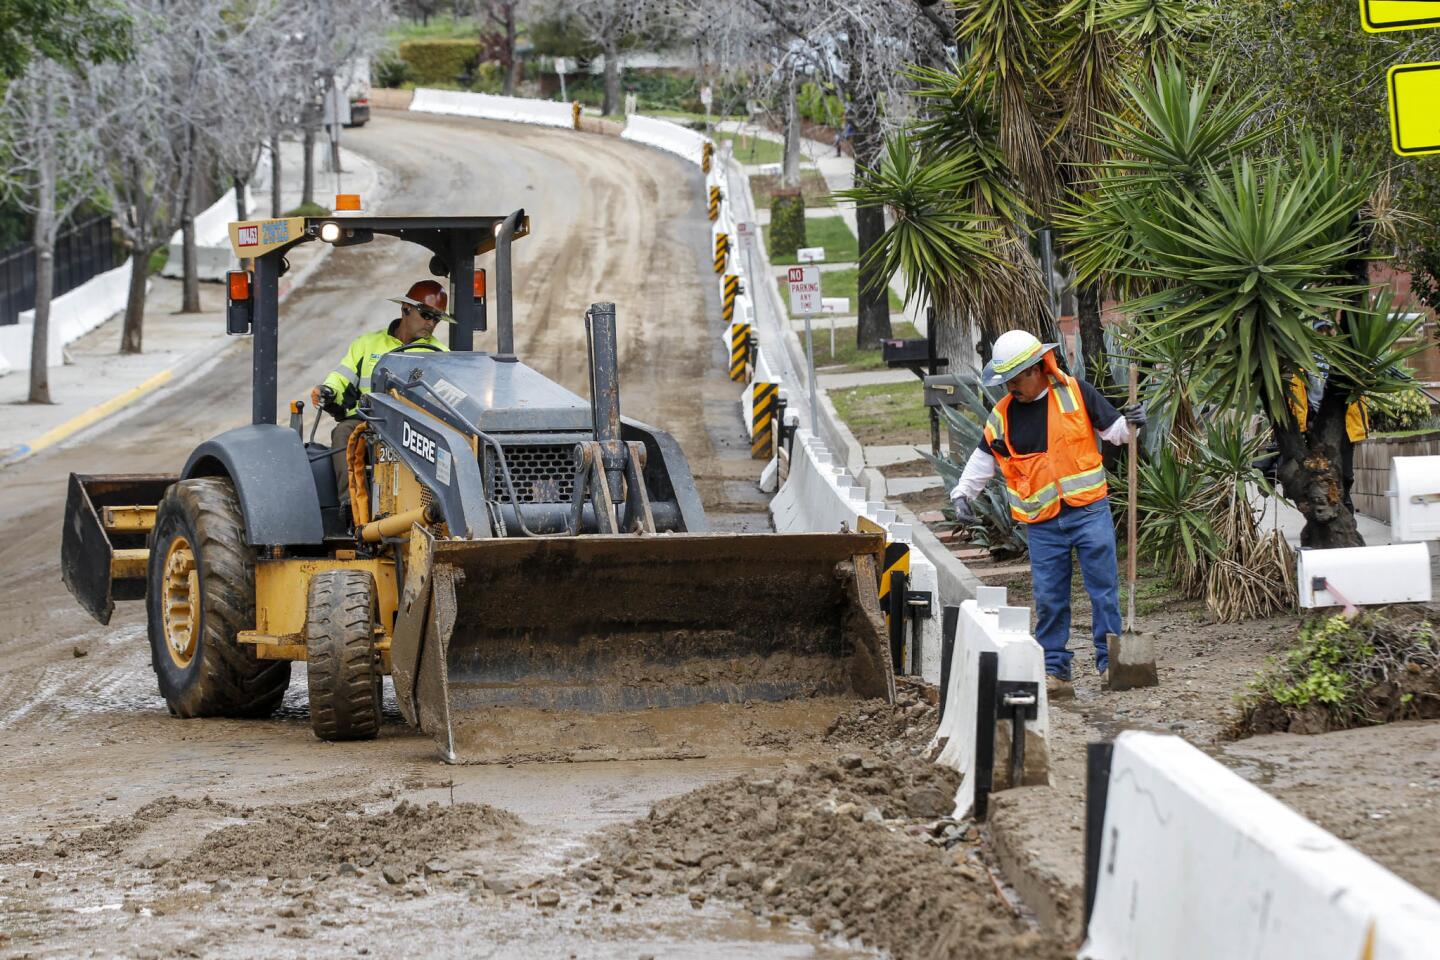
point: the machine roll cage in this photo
(454, 242)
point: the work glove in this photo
(1135, 415)
(964, 512)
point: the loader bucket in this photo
(630, 647)
(102, 548)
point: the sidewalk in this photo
(96, 381)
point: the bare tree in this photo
(49, 148)
(860, 49)
(502, 15)
(615, 26)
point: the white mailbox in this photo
(1414, 499)
(810, 254)
(1394, 573)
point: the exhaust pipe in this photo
(601, 338)
(505, 307)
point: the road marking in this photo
(80, 421)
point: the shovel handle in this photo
(1132, 471)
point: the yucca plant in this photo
(1243, 263)
(1175, 504)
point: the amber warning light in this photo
(239, 284)
(479, 284)
(347, 201)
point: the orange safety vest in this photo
(1070, 469)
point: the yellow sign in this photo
(254, 238)
(1379, 16)
(1415, 108)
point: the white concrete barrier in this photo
(72, 315)
(213, 255)
(987, 625)
(665, 135)
(1195, 862)
(547, 113)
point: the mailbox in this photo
(1414, 499)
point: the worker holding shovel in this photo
(1041, 435)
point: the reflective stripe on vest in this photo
(1028, 510)
(346, 374)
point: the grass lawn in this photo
(849, 358)
(439, 28)
(884, 412)
(828, 232)
(752, 149)
(812, 186)
(840, 283)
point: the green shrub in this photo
(1345, 673)
(390, 71)
(439, 61)
(308, 210)
(1395, 412)
(817, 106)
(787, 223)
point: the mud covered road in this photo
(125, 832)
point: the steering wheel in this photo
(417, 345)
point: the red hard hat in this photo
(430, 293)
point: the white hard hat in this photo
(1014, 351)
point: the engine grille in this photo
(542, 473)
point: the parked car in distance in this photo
(359, 111)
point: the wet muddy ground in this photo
(126, 832)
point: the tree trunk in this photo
(1310, 475)
(275, 169)
(612, 80)
(512, 63)
(955, 339)
(873, 322)
(240, 212)
(44, 292)
(1092, 334)
(790, 173)
(307, 189)
(131, 335)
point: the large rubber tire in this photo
(199, 526)
(343, 665)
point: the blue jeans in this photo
(1089, 532)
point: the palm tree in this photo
(1240, 264)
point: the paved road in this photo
(87, 741)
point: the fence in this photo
(1372, 469)
(80, 253)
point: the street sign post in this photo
(1382, 16)
(1415, 108)
(561, 68)
(805, 300)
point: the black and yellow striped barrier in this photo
(739, 351)
(714, 203)
(707, 149)
(727, 298)
(897, 561)
(722, 251)
(763, 397)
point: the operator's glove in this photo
(964, 512)
(323, 398)
(1135, 415)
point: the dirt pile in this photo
(320, 838)
(861, 847)
(1378, 668)
(904, 728)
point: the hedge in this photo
(787, 223)
(439, 61)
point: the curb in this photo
(82, 420)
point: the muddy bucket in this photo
(624, 647)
